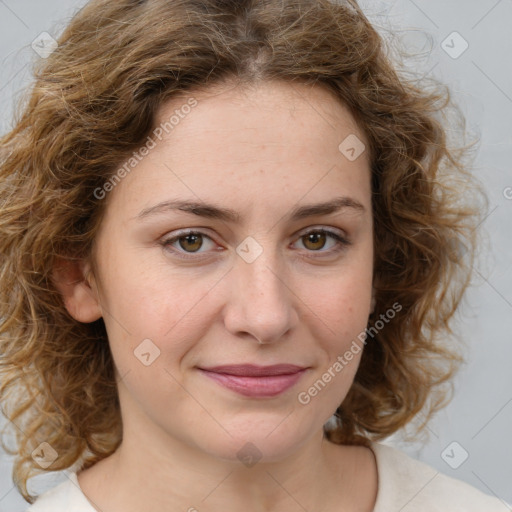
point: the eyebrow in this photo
(211, 211)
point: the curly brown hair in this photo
(93, 103)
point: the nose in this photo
(261, 303)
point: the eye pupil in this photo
(314, 241)
(315, 238)
(195, 238)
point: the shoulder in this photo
(65, 497)
(409, 485)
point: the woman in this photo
(230, 255)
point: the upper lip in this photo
(251, 370)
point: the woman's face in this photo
(256, 285)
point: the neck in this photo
(146, 473)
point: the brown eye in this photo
(315, 240)
(188, 243)
(192, 242)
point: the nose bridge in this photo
(261, 303)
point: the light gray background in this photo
(479, 418)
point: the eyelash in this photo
(342, 242)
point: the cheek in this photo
(339, 303)
(172, 311)
(144, 292)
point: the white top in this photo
(404, 485)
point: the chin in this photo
(256, 440)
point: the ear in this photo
(71, 278)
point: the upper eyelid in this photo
(304, 231)
(301, 232)
(319, 227)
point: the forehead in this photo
(274, 141)
(273, 110)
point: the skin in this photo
(261, 151)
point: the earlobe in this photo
(72, 280)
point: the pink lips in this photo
(256, 381)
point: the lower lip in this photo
(264, 386)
